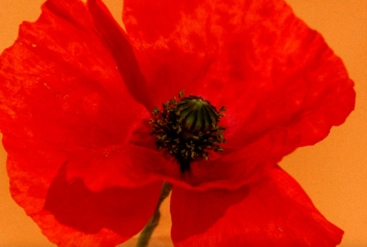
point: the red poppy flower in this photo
(76, 95)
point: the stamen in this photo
(188, 129)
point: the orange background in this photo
(334, 172)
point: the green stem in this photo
(147, 232)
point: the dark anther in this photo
(188, 129)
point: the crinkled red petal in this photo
(274, 211)
(283, 87)
(60, 85)
(61, 95)
(174, 50)
(104, 218)
(125, 166)
(71, 215)
(121, 50)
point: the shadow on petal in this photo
(124, 211)
(275, 211)
(208, 212)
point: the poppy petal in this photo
(283, 87)
(71, 215)
(121, 50)
(126, 166)
(60, 95)
(173, 50)
(59, 81)
(274, 211)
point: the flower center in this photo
(188, 129)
